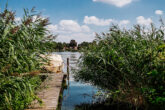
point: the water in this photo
(77, 92)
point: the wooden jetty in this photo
(49, 95)
(52, 89)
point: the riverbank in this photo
(21, 45)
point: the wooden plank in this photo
(50, 95)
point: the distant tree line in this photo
(71, 46)
(86, 45)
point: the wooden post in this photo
(68, 67)
(68, 71)
(67, 61)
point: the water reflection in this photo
(77, 92)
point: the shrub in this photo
(21, 44)
(17, 93)
(128, 64)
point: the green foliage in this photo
(86, 45)
(129, 64)
(21, 44)
(73, 43)
(17, 93)
(62, 46)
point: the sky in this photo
(81, 19)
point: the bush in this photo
(128, 64)
(21, 44)
(17, 93)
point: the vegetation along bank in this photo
(20, 48)
(129, 65)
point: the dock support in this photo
(68, 68)
(68, 71)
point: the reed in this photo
(20, 49)
(128, 65)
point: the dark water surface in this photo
(77, 92)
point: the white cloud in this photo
(96, 21)
(85, 28)
(17, 19)
(124, 22)
(159, 12)
(52, 28)
(79, 37)
(68, 26)
(70, 29)
(143, 21)
(73, 26)
(118, 3)
(34, 18)
(104, 22)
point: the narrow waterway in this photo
(77, 92)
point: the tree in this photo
(60, 46)
(73, 43)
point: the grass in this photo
(20, 50)
(128, 65)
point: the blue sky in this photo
(80, 19)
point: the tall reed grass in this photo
(129, 65)
(20, 49)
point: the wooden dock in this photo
(50, 94)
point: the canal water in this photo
(77, 92)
